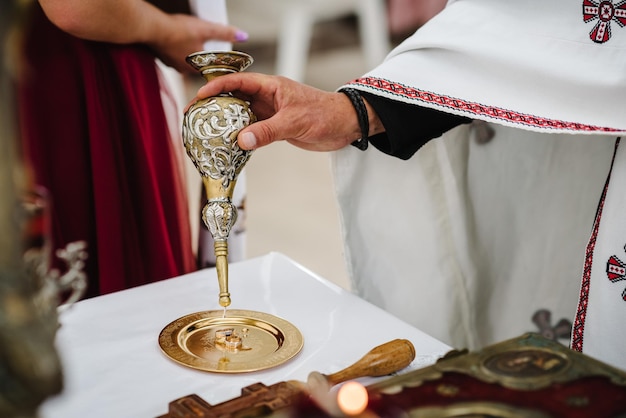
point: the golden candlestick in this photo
(210, 129)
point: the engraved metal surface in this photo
(535, 366)
(475, 410)
(210, 128)
(529, 362)
(212, 61)
(242, 341)
(219, 217)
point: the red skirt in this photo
(95, 136)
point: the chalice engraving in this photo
(243, 340)
(210, 128)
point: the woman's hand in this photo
(171, 36)
(306, 117)
(183, 34)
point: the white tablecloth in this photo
(113, 365)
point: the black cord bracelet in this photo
(361, 113)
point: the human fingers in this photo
(287, 110)
(188, 27)
(260, 134)
(248, 84)
(220, 32)
(182, 35)
(306, 131)
(230, 83)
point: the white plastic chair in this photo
(298, 18)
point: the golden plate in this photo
(242, 341)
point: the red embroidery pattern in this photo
(616, 271)
(583, 301)
(605, 12)
(478, 109)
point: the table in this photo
(114, 367)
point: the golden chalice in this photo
(240, 340)
(210, 129)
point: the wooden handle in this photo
(383, 360)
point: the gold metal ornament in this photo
(241, 341)
(475, 410)
(232, 341)
(210, 129)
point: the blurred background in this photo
(290, 205)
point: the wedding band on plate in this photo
(241, 341)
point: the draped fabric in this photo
(95, 135)
(477, 242)
(529, 65)
(472, 242)
(599, 325)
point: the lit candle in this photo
(352, 398)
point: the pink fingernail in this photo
(241, 36)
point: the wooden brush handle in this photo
(383, 360)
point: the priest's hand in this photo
(306, 117)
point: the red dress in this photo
(95, 135)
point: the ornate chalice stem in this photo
(219, 215)
(210, 129)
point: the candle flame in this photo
(352, 398)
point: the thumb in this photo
(256, 135)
